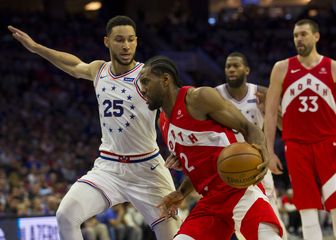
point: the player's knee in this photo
(63, 218)
(67, 215)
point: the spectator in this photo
(113, 218)
(94, 230)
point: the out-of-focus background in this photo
(49, 124)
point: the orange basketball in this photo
(237, 164)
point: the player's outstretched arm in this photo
(208, 102)
(64, 61)
(271, 112)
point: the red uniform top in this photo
(197, 144)
(308, 102)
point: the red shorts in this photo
(218, 215)
(312, 170)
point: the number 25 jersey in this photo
(308, 102)
(128, 126)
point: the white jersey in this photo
(247, 106)
(128, 126)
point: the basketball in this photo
(237, 164)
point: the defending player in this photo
(129, 168)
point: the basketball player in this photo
(129, 168)
(306, 85)
(196, 125)
(243, 95)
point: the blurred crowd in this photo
(49, 124)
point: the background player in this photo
(194, 125)
(129, 167)
(306, 85)
(244, 96)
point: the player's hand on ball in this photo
(173, 162)
(169, 204)
(263, 167)
(241, 165)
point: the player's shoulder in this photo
(333, 69)
(252, 85)
(282, 64)
(261, 88)
(221, 86)
(221, 90)
(333, 62)
(97, 64)
(201, 92)
(198, 96)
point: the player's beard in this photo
(237, 82)
(119, 61)
(155, 100)
(153, 105)
(304, 51)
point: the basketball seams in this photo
(253, 169)
(237, 165)
(238, 154)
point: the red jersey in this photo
(197, 144)
(308, 102)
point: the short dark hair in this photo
(119, 21)
(161, 64)
(313, 25)
(240, 55)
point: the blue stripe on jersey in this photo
(252, 100)
(130, 161)
(128, 79)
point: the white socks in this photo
(333, 218)
(311, 228)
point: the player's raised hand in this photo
(169, 204)
(275, 164)
(23, 38)
(173, 162)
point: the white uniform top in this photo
(247, 106)
(128, 126)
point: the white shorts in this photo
(143, 184)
